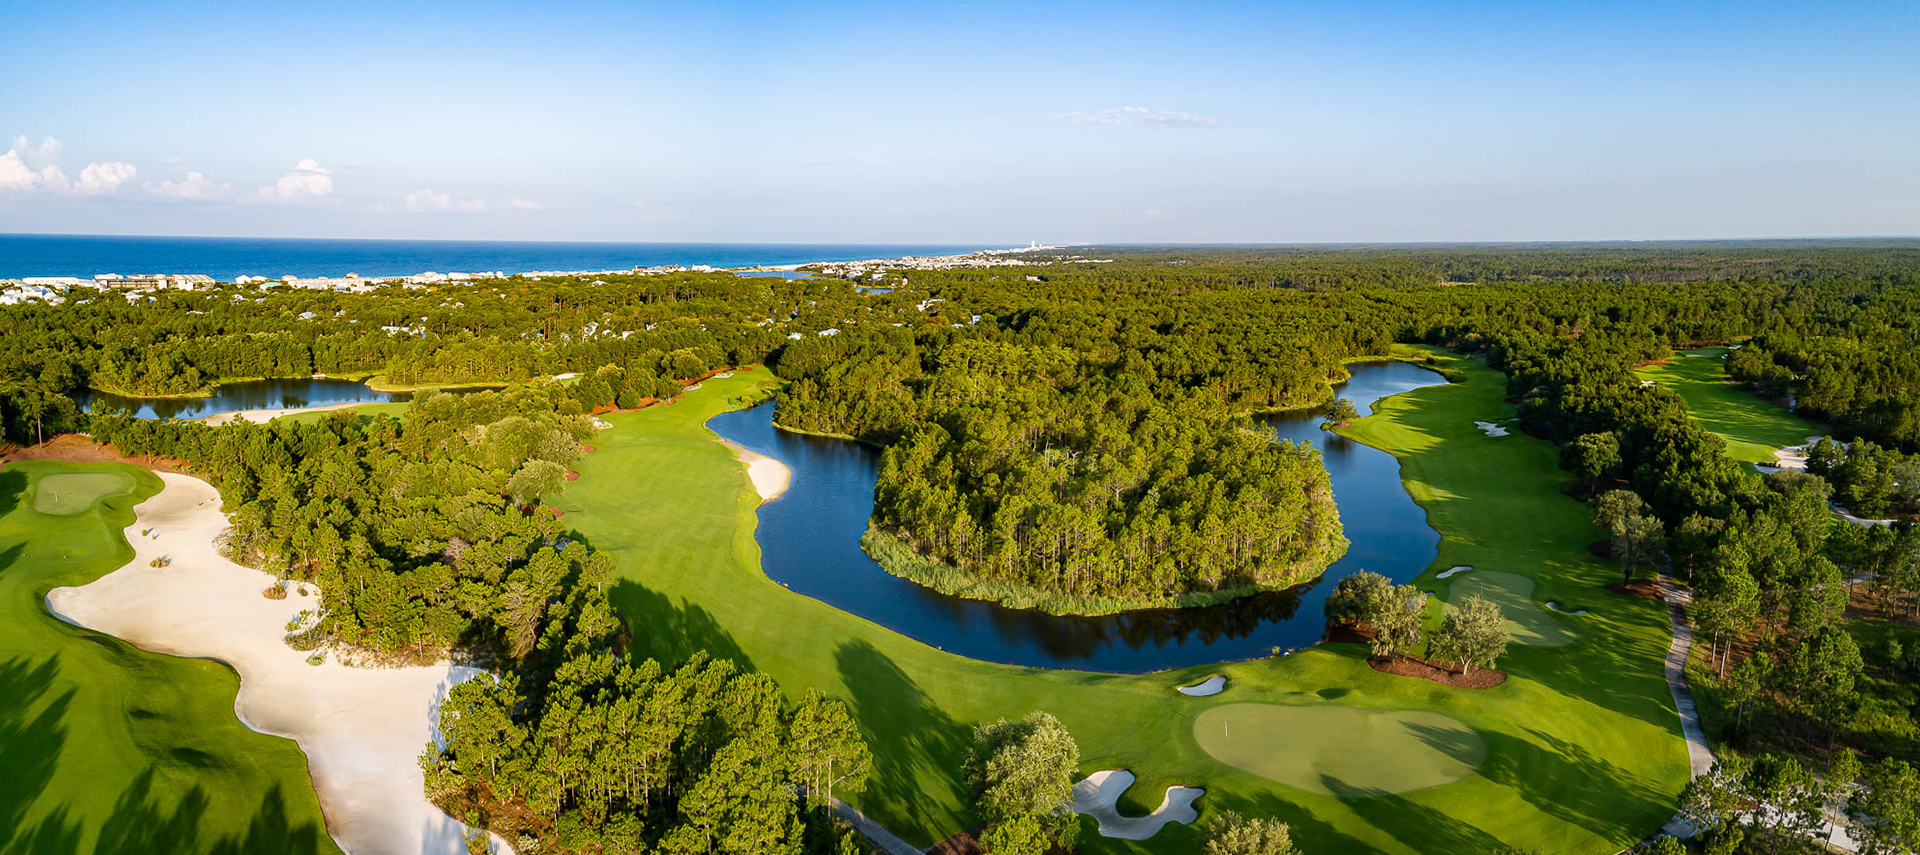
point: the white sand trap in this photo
(1098, 794)
(1454, 571)
(770, 477)
(1211, 686)
(1490, 428)
(262, 416)
(362, 729)
(1556, 607)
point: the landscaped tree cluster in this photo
(1020, 775)
(1471, 634)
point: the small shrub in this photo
(318, 657)
(276, 591)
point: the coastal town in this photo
(53, 289)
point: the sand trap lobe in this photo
(1098, 796)
(1490, 428)
(1454, 571)
(1211, 686)
(770, 477)
(362, 729)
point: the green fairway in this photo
(1527, 622)
(1582, 745)
(1341, 750)
(1752, 426)
(106, 748)
(72, 492)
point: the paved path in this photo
(875, 832)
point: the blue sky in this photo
(884, 122)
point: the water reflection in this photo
(810, 541)
(251, 395)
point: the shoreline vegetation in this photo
(894, 555)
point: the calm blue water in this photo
(226, 258)
(810, 540)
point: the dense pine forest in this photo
(1076, 435)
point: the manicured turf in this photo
(1528, 622)
(1752, 426)
(1334, 750)
(395, 409)
(72, 492)
(1583, 752)
(106, 748)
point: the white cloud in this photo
(27, 168)
(1144, 116)
(194, 186)
(307, 181)
(38, 157)
(524, 205)
(15, 177)
(427, 200)
(102, 178)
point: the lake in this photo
(810, 541)
(250, 395)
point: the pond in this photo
(810, 541)
(251, 395)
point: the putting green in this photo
(71, 493)
(1526, 623)
(1341, 751)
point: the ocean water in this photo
(225, 258)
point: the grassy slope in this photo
(1583, 747)
(1752, 426)
(107, 748)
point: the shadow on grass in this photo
(928, 745)
(13, 487)
(140, 825)
(30, 749)
(30, 744)
(1570, 783)
(1419, 827)
(672, 633)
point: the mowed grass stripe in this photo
(111, 749)
(1752, 426)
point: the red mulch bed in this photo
(1414, 666)
(572, 475)
(968, 843)
(1637, 588)
(1602, 547)
(556, 511)
(586, 449)
(82, 449)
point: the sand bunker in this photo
(1211, 686)
(262, 416)
(1454, 571)
(362, 729)
(1556, 607)
(72, 492)
(1343, 751)
(1491, 429)
(770, 477)
(1526, 623)
(1097, 796)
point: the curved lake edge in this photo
(800, 552)
(310, 392)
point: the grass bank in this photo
(108, 748)
(1582, 746)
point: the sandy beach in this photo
(362, 729)
(770, 477)
(263, 416)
